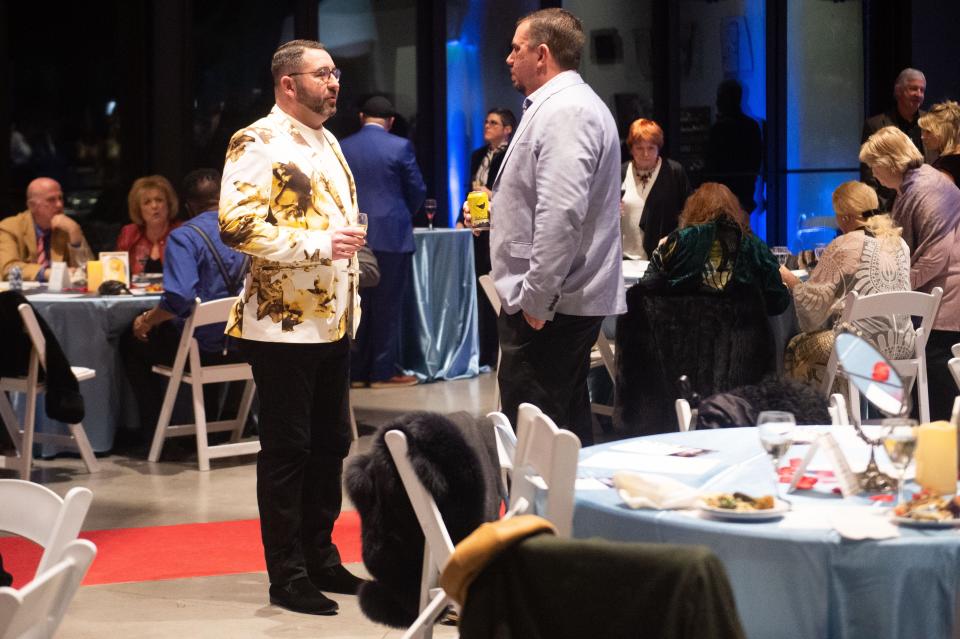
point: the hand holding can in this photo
(479, 204)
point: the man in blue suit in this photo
(390, 190)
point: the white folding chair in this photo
(486, 283)
(437, 543)
(838, 410)
(506, 441)
(546, 459)
(205, 313)
(37, 513)
(684, 414)
(907, 303)
(602, 354)
(36, 610)
(25, 435)
(954, 364)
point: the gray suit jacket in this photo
(555, 213)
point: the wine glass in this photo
(775, 429)
(781, 253)
(362, 221)
(900, 442)
(818, 251)
(430, 208)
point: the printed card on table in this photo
(116, 266)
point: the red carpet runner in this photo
(173, 552)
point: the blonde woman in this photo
(940, 128)
(152, 204)
(869, 257)
(928, 209)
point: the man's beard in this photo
(318, 105)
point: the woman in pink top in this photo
(153, 206)
(928, 209)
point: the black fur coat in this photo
(457, 474)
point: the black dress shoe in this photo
(335, 579)
(302, 596)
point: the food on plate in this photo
(739, 502)
(155, 288)
(924, 506)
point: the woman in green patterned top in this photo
(713, 250)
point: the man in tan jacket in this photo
(41, 235)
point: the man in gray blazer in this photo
(555, 226)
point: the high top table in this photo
(796, 577)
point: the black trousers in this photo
(548, 368)
(940, 384)
(304, 437)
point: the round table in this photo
(88, 328)
(796, 577)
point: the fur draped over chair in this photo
(718, 341)
(456, 466)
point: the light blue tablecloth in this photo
(793, 582)
(439, 337)
(88, 329)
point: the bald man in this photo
(41, 235)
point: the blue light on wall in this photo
(465, 102)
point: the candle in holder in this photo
(94, 275)
(937, 457)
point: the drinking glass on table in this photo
(430, 208)
(781, 253)
(900, 442)
(775, 429)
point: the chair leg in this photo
(856, 407)
(354, 431)
(496, 384)
(422, 627)
(26, 438)
(10, 419)
(83, 445)
(428, 580)
(166, 412)
(923, 397)
(200, 417)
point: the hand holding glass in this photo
(781, 253)
(775, 429)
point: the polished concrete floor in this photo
(130, 492)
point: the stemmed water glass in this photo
(900, 442)
(818, 251)
(430, 208)
(775, 429)
(781, 253)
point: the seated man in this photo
(41, 235)
(196, 265)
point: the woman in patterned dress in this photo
(869, 257)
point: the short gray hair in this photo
(906, 75)
(289, 56)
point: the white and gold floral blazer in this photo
(279, 203)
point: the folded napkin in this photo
(639, 490)
(863, 523)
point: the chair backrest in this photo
(505, 438)
(486, 283)
(204, 313)
(36, 610)
(607, 355)
(38, 514)
(838, 410)
(546, 459)
(428, 514)
(684, 415)
(912, 303)
(32, 327)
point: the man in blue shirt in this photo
(196, 264)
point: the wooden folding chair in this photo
(905, 303)
(24, 435)
(195, 377)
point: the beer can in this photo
(479, 205)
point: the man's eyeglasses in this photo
(493, 123)
(323, 74)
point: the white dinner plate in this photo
(924, 523)
(779, 509)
